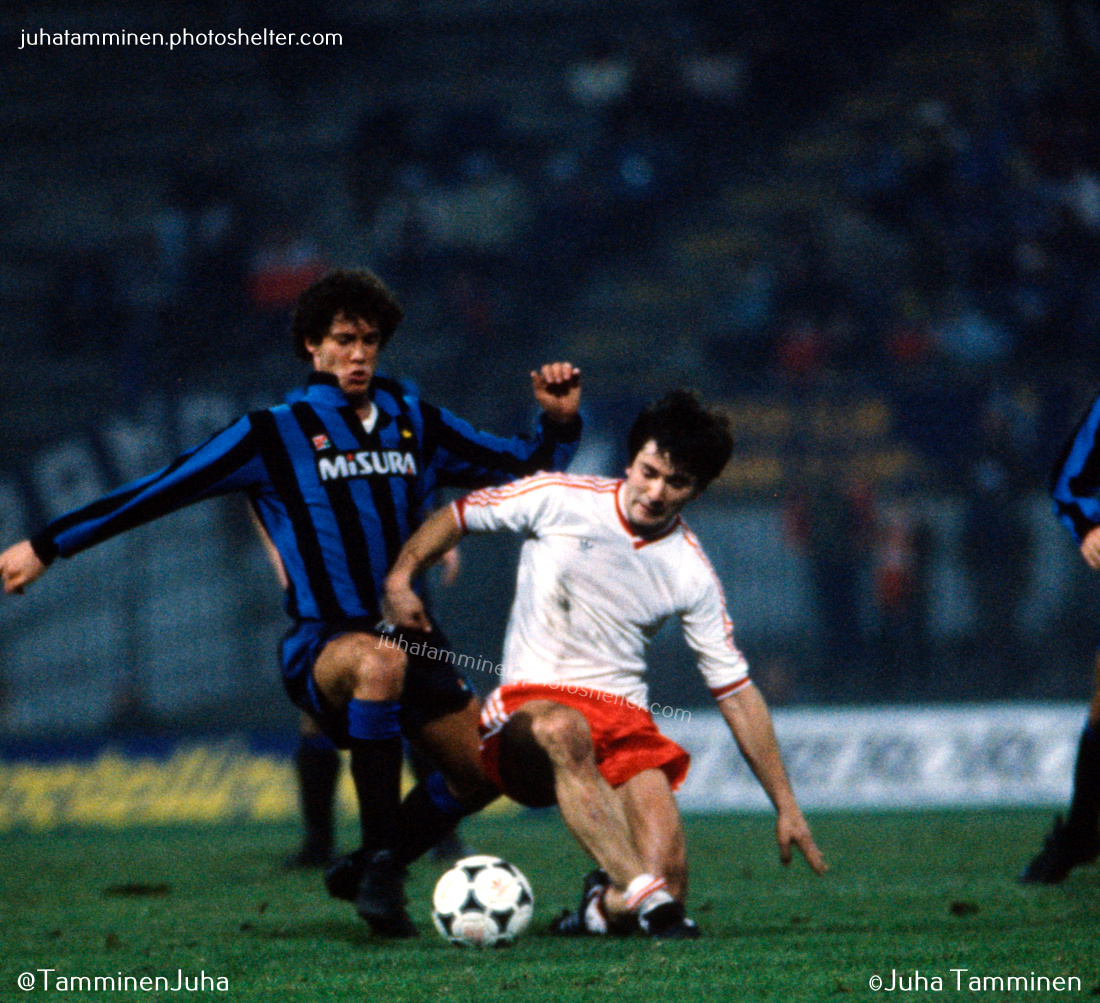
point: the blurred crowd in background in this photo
(948, 215)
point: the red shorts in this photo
(624, 735)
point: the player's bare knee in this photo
(564, 734)
(378, 672)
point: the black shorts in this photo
(433, 686)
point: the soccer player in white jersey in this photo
(605, 562)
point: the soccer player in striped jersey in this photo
(317, 760)
(339, 480)
(1075, 486)
(604, 563)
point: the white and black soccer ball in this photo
(482, 901)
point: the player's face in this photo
(350, 352)
(654, 491)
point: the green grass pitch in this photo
(918, 894)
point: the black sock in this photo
(376, 771)
(318, 765)
(375, 745)
(422, 766)
(1084, 812)
(428, 814)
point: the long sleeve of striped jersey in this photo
(1075, 479)
(337, 500)
(227, 461)
(457, 455)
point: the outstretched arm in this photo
(438, 534)
(19, 566)
(751, 724)
(228, 461)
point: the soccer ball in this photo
(482, 901)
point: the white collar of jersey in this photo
(371, 419)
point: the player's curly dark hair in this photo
(696, 440)
(355, 293)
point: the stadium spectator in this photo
(713, 80)
(562, 239)
(831, 519)
(908, 342)
(483, 210)
(1075, 488)
(208, 215)
(402, 231)
(145, 298)
(83, 297)
(996, 544)
(604, 563)
(339, 480)
(966, 335)
(285, 262)
(282, 267)
(599, 78)
(900, 566)
(377, 148)
(801, 349)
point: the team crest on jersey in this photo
(321, 442)
(365, 463)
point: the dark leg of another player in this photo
(355, 674)
(1076, 840)
(435, 806)
(317, 764)
(456, 789)
(431, 788)
(317, 767)
(375, 747)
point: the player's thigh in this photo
(361, 665)
(539, 738)
(562, 732)
(654, 820)
(452, 743)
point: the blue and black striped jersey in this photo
(337, 501)
(1075, 479)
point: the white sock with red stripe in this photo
(646, 892)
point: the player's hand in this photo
(1090, 548)
(19, 566)
(402, 607)
(791, 828)
(557, 389)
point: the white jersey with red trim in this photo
(591, 593)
